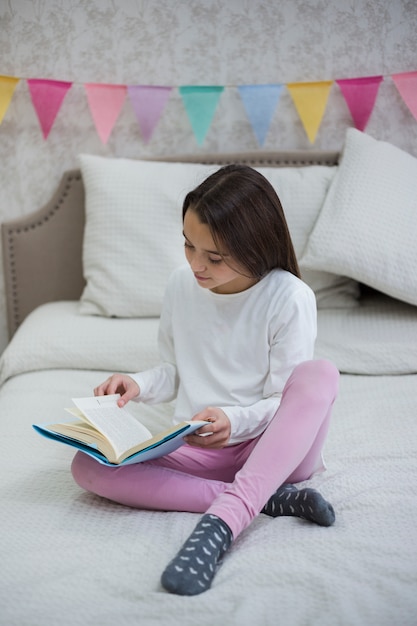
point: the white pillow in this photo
(367, 228)
(302, 191)
(88, 342)
(133, 233)
(372, 339)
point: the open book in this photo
(112, 435)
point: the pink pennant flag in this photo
(148, 103)
(360, 95)
(406, 84)
(47, 97)
(105, 102)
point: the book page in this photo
(119, 426)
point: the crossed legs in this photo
(230, 486)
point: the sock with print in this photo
(306, 503)
(191, 572)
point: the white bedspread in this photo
(73, 559)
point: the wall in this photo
(180, 42)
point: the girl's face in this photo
(207, 262)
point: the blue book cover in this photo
(111, 435)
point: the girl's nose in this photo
(197, 264)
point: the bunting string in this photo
(310, 100)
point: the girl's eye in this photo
(214, 261)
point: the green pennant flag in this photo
(200, 104)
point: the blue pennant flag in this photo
(260, 102)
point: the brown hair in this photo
(244, 213)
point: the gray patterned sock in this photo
(306, 503)
(193, 569)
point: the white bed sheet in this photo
(71, 558)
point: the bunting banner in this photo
(200, 104)
(310, 100)
(47, 97)
(406, 84)
(7, 87)
(260, 102)
(360, 95)
(105, 102)
(148, 104)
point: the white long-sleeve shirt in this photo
(233, 351)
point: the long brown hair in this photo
(245, 215)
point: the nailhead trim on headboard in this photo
(12, 238)
(286, 159)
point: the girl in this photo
(236, 340)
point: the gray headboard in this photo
(42, 252)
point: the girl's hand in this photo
(119, 383)
(218, 426)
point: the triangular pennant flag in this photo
(260, 102)
(7, 87)
(148, 103)
(310, 100)
(200, 104)
(105, 102)
(406, 84)
(360, 95)
(47, 97)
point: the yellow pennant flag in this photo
(7, 87)
(310, 100)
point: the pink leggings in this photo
(235, 482)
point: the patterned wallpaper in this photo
(191, 42)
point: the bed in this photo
(76, 314)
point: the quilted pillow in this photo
(302, 191)
(367, 228)
(133, 233)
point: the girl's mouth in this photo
(201, 279)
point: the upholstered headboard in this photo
(42, 252)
